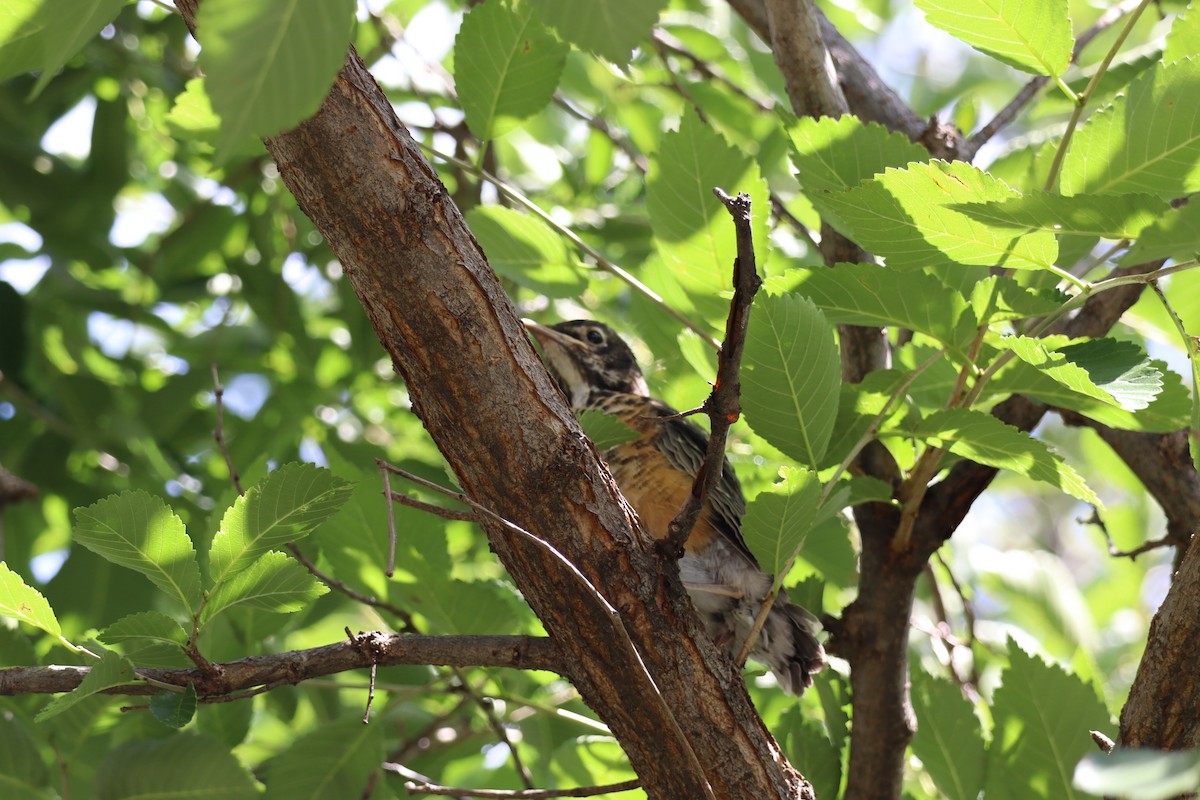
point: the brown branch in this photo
(518, 794)
(514, 652)
(723, 406)
(219, 432)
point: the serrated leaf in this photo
(1139, 773)
(865, 294)
(605, 430)
(284, 507)
(1184, 39)
(1113, 372)
(465, 607)
(174, 709)
(1176, 235)
(149, 638)
(1042, 716)
(997, 298)
(909, 217)
(779, 518)
(1034, 36)
(1169, 411)
(506, 67)
(986, 440)
(21, 601)
(1107, 216)
(184, 765)
(1147, 140)
(791, 376)
(608, 28)
(138, 531)
(331, 762)
(273, 582)
(111, 670)
(693, 231)
(269, 64)
(837, 154)
(949, 738)
(526, 250)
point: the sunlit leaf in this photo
(1104, 369)
(140, 532)
(605, 430)
(1139, 773)
(609, 28)
(949, 738)
(780, 517)
(1176, 234)
(1035, 37)
(834, 154)
(1107, 216)
(506, 66)
(21, 601)
(526, 250)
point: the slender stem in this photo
(1083, 99)
(1192, 347)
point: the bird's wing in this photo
(686, 444)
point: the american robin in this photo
(596, 370)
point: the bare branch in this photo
(516, 794)
(219, 432)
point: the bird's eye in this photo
(595, 336)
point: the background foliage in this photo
(145, 237)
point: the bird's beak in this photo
(547, 337)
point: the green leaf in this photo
(111, 670)
(693, 230)
(506, 67)
(791, 375)
(1113, 372)
(997, 298)
(149, 638)
(284, 507)
(184, 765)
(1184, 39)
(68, 25)
(608, 28)
(1176, 235)
(1139, 773)
(273, 582)
(1170, 410)
(909, 216)
(22, 769)
(949, 738)
(833, 154)
(140, 532)
(864, 294)
(174, 709)
(21, 601)
(986, 440)
(1041, 716)
(526, 250)
(605, 430)
(780, 517)
(1034, 37)
(331, 762)
(22, 34)
(1107, 216)
(806, 744)
(1147, 140)
(269, 64)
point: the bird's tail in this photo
(788, 645)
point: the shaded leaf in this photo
(949, 738)
(605, 430)
(1176, 234)
(185, 765)
(174, 709)
(140, 532)
(986, 440)
(997, 298)
(149, 638)
(790, 377)
(1103, 369)
(273, 582)
(111, 670)
(1107, 216)
(608, 28)
(331, 762)
(1147, 140)
(1139, 773)
(526, 250)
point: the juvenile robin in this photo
(596, 370)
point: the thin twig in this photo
(391, 523)
(601, 126)
(1116, 552)
(436, 510)
(518, 794)
(406, 620)
(219, 432)
(666, 43)
(487, 706)
(723, 405)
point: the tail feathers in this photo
(788, 646)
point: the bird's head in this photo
(587, 357)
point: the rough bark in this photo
(633, 645)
